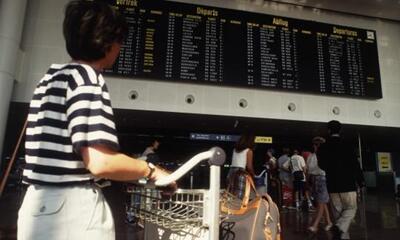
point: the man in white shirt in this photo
(297, 166)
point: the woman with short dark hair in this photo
(90, 29)
(71, 139)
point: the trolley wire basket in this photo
(182, 211)
(188, 213)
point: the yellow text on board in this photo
(263, 139)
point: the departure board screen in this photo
(172, 41)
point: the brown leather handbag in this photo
(246, 218)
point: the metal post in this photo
(362, 193)
(191, 179)
(213, 202)
(360, 150)
(394, 179)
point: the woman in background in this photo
(319, 189)
(242, 156)
(242, 164)
(268, 169)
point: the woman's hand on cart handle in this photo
(161, 173)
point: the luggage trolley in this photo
(189, 213)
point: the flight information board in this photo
(171, 41)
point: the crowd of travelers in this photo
(322, 178)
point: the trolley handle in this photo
(215, 155)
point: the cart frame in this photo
(193, 212)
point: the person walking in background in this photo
(152, 148)
(71, 139)
(285, 177)
(262, 181)
(318, 185)
(271, 166)
(297, 166)
(149, 154)
(343, 173)
(305, 153)
(271, 162)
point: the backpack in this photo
(246, 218)
(297, 175)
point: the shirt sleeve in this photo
(90, 117)
(303, 162)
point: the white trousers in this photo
(65, 213)
(344, 208)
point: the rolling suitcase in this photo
(249, 218)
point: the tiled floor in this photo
(381, 219)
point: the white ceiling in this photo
(387, 9)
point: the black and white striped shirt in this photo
(70, 109)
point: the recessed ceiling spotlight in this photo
(377, 114)
(292, 107)
(243, 103)
(336, 110)
(189, 99)
(133, 95)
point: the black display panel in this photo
(171, 41)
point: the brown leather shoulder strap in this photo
(10, 164)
